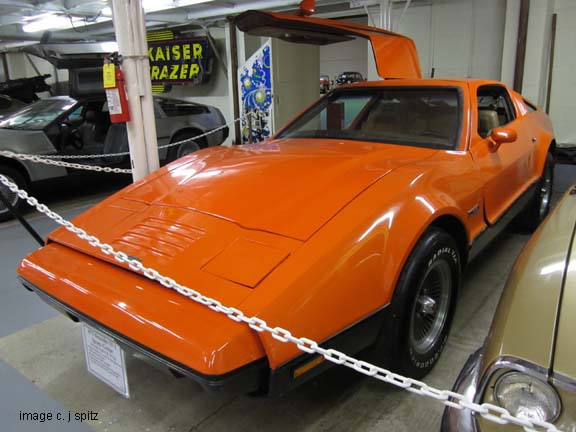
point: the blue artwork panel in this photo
(256, 92)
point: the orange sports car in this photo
(351, 227)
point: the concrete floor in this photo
(42, 363)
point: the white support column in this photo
(130, 30)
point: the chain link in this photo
(96, 156)
(42, 160)
(452, 399)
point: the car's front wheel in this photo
(423, 304)
(13, 199)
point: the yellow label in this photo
(109, 75)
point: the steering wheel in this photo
(76, 141)
(74, 138)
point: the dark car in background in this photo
(62, 125)
(349, 78)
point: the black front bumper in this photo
(250, 378)
(464, 420)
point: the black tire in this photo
(15, 177)
(532, 216)
(186, 148)
(422, 307)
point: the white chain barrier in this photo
(51, 159)
(449, 398)
(96, 156)
(42, 160)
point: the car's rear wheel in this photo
(423, 305)
(190, 145)
(15, 201)
(539, 207)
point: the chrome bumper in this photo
(463, 420)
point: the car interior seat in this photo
(487, 120)
(116, 141)
(102, 123)
(87, 129)
(382, 119)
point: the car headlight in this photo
(526, 396)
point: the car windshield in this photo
(38, 115)
(417, 116)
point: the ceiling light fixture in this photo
(50, 22)
(158, 5)
(59, 22)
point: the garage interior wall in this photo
(294, 87)
(563, 91)
(345, 56)
(456, 38)
(19, 67)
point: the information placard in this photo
(105, 359)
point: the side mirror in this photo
(502, 135)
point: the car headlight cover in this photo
(526, 396)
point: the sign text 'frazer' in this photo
(180, 61)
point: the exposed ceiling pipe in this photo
(396, 26)
(8, 46)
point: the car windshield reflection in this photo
(38, 115)
(420, 116)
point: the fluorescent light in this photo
(50, 22)
(157, 5)
(58, 22)
(182, 3)
(110, 46)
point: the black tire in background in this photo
(422, 306)
(539, 207)
(190, 146)
(16, 177)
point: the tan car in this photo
(528, 362)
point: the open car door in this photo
(395, 55)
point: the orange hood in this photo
(272, 195)
(287, 187)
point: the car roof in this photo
(427, 82)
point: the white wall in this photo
(19, 67)
(458, 38)
(295, 71)
(345, 56)
(537, 51)
(563, 94)
(536, 66)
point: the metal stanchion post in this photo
(21, 219)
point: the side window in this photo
(494, 109)
(76, 114)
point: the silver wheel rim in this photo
(187, 148)
(545, 192)
(430, 310)
(12, 196)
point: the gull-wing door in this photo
(395, 54)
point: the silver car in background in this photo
(63, 125)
